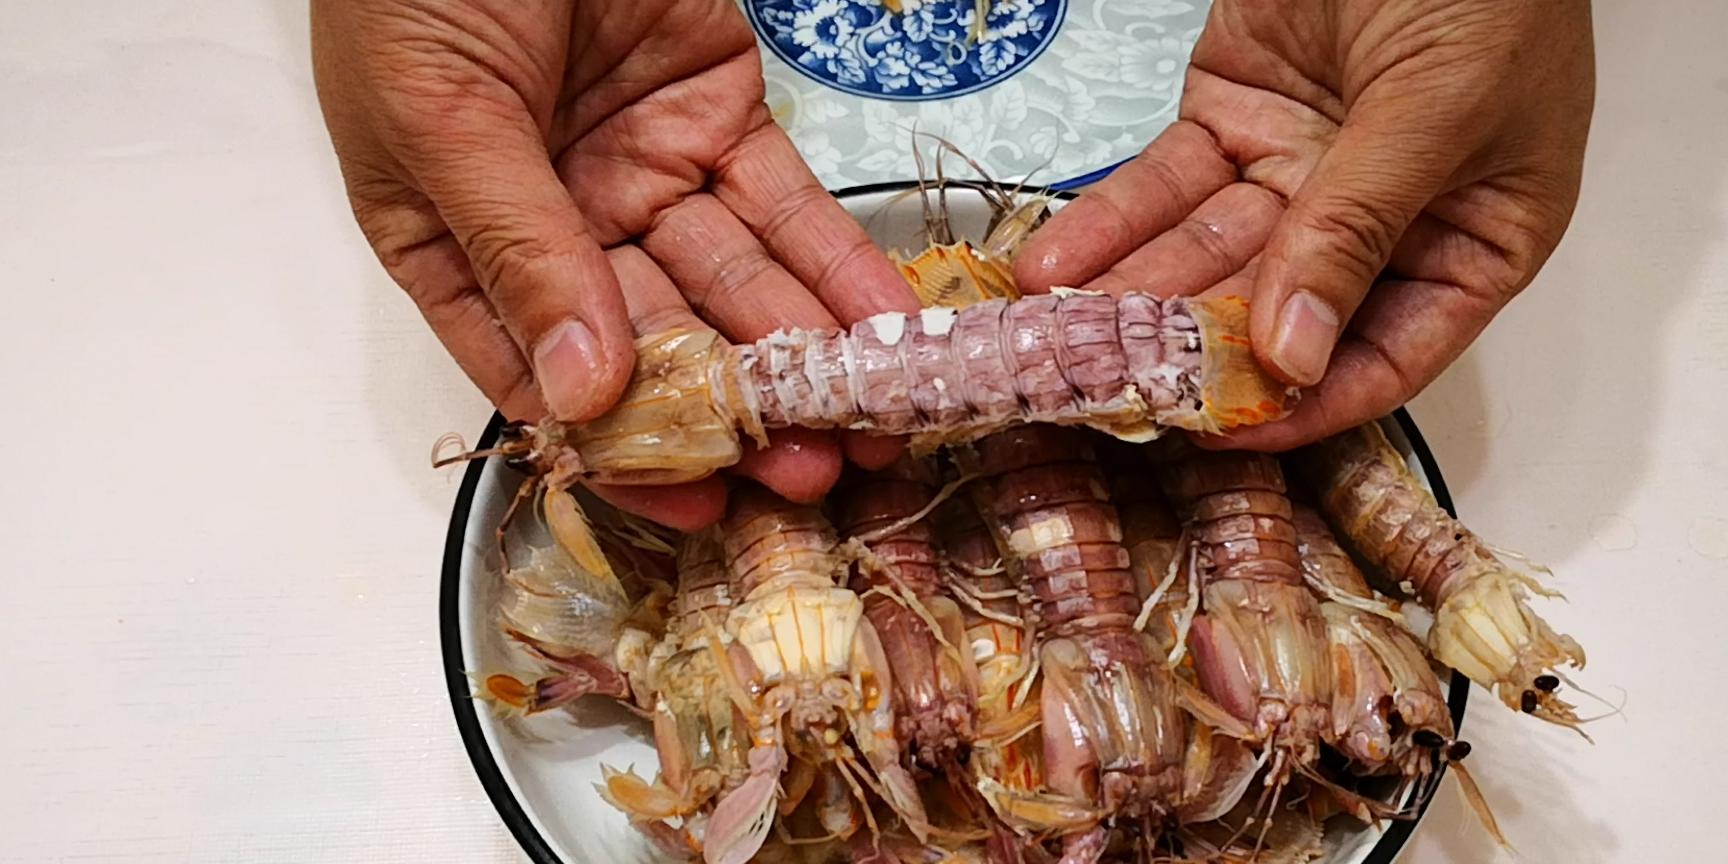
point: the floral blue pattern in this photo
(931, 49)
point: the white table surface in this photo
(221, 537)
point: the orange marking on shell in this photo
(1232, 338)
(955, 276)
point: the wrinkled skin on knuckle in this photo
(664, 319)
(731, 131)
(377, 201)
(1528, 244)
(509, 258)
(1359, 232)
(733, 278)
(799, 205)
(846, 262)
(1511, 223)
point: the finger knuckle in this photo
(1104, 217)
(1361, 233)
(1407, 382)
(732, 279)
(452, 306)
(1499, 281)
(1210, 243)
(381, 230)
(665, 320)
(796, 207)
(1163, 177)
(513, 261)
(828, 280)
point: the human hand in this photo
(544, 177)
(1379, 178)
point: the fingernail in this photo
(1302, 344)
(567, 361)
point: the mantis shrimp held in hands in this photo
(1132, 367)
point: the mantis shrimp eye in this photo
(512, 430)
(1528, 702)
(1458, 751)
(523, 462)
(1427, 738)
(1547, 683)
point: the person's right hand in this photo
(541, 176)
(1380, 178)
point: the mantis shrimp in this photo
(920, 627)
(1132, 367)
(570, 609)
(1007, 762)
(1259, 641)
(699, 735)
(808, 669)
(1112, 732)
(1388, 713)
(1218, 767)
(1483, 624)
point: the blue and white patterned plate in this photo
(1055, 91)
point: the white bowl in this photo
(540, 772)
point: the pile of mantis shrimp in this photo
(1055, 630)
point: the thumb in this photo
(487, 171)
(1385, 166)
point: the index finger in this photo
(1143, 198)
(768, 185)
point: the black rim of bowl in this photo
(515, 815)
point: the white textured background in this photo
(220, 539)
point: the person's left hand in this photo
(493, 149)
